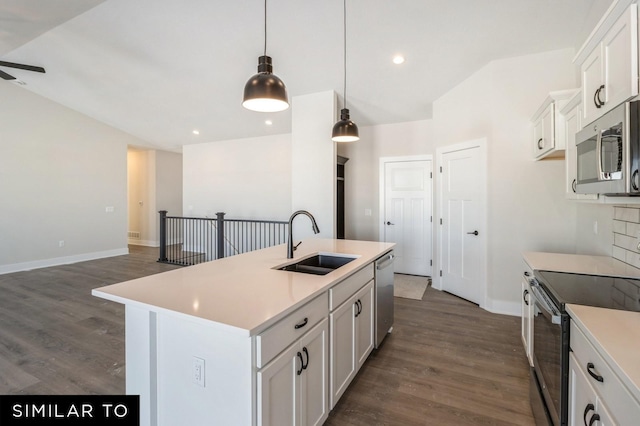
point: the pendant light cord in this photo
(265, 28)
(345, 51)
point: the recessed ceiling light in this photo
(196, 132)
(398, 59)
(268, 122)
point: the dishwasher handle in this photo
(382, 264)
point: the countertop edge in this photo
(580, 319)
(167, 292)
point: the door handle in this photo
(389, 223)
(473, 233)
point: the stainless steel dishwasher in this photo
(384, 296)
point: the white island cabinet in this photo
(237, 341)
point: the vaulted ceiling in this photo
(159, 69)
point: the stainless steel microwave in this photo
(609, 153)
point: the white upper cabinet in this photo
(548, 126)
(609, 62)
(572, 113)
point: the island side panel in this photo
(140, 360)
(225, 397)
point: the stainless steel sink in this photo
(320, 264)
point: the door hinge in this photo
(431, 262)
(440, 221)
(430, 175)
(440, 169)
(431, 219)
(440, 272)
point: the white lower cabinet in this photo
(351, 339)
(527, 320)
(293, 388)
(585, 407)
(597, 397)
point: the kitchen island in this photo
(238, 341)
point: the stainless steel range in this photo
(550, 373)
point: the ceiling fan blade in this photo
(21, 66)
(6, 76)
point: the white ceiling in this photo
(160, 68)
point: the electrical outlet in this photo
(197, 371)
(61, 243)
(109, 209)
(367, 212)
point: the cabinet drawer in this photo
(622, 406)
(345, 289)
(276, 338)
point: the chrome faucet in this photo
(290, 247)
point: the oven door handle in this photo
(547, 310)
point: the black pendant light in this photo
(345, 130)
(265, 92)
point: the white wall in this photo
(59, 170)
(362, 170)
(245, 178)
(313, 163)
(527, 209)
(154, 183)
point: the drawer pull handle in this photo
(359, 307)
(589, 407)
(598, 377)
(524, 296)
(306, 352)
(301, 324)
(594, 418)
(299, 372)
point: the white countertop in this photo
(243, 293)
(616, 336)
(580, 264)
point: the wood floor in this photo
(447, 361)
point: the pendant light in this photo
(345, 130)
(265, 92)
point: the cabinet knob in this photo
(540, 144)
(573, 185)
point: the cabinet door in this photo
(278, 389)
(364, 324)
(314, 386)
(342, 359)
(526, 320)
(543, 133)
(620, 60)
(585, 405)
(581, 396)
(592, 80)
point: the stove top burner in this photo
(591, 290)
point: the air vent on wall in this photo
(134, 235)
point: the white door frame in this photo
(482, 145)
(381, 194)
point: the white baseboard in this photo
(503, 307)
(146, 243)
(44, 263)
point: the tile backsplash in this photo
(626, 235)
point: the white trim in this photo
(440, 151)
(44, 263)
(503, 307)
(381, 195)
(146, 243)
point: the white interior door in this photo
(407, 212)
(463, 230)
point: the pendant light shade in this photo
(265, 92)
(345, 130)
